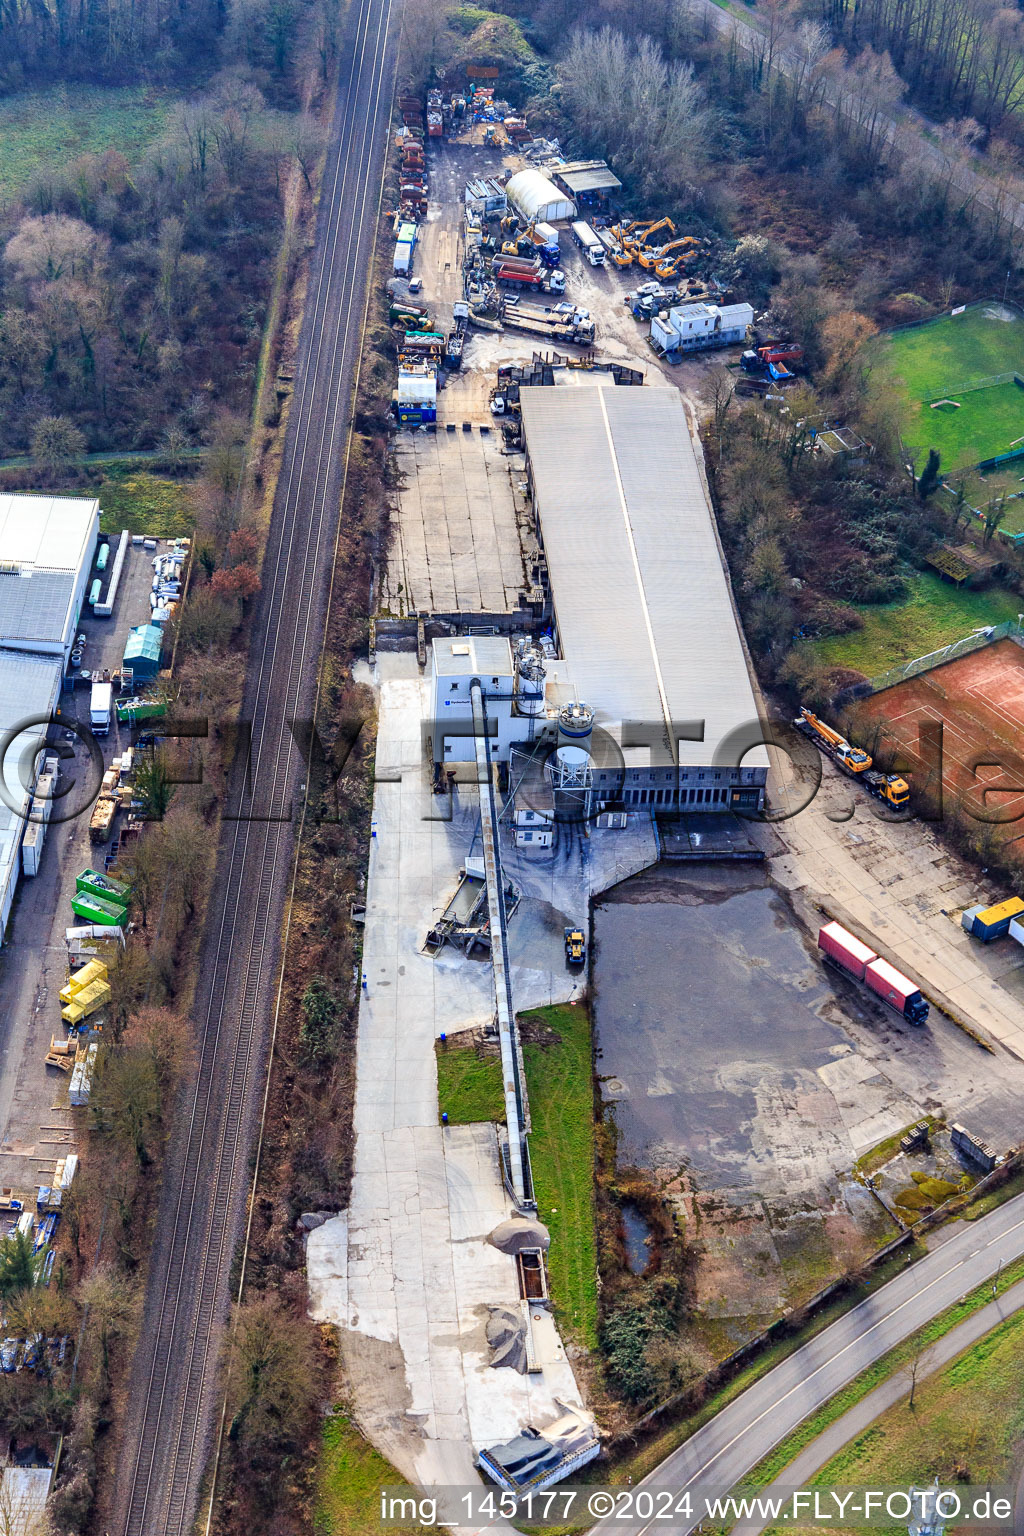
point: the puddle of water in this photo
(635, 1232)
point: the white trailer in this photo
(588, 243)
(101, 706)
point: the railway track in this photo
(203, 1201)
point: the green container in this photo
(94, 884)
(141, 709)
(93, 909)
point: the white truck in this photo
(101, 705)
(588, 243)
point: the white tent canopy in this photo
(534, 197)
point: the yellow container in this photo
(1001, 912)
(95, 970)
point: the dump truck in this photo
(887, 787)
(575, 946)
(456, 336)
(861, 962)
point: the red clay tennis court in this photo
(980, 702)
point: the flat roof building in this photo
(47, 544)
(639, 594)
(586, 180)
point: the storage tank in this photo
(103, 557)
(530, 681)
(575, 730)
(94, 592)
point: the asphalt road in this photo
(831, 1441)
(901, 123)
(725, 1449)
(174, 1387)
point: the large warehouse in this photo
(47, 545)
(639, 596)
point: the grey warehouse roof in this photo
(587, 176)
(34, 604)
(643, 607)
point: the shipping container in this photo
(32, 847)
(1016, 930)
(85, 1003)
(402, 265)
(845, 949)
(994, 922)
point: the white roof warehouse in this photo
(641, 602)
(47, 545)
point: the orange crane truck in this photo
(887, 787)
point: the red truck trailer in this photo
(860, 961)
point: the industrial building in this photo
(46, 550)
(47, 544)
(587, 182)
(538, 200)
(649, 702)
(640, 601)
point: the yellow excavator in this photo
(648, 255)
(668, 264)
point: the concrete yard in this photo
(406, 1273)
(457, 544)
(36, 1124)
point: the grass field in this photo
(559, 1083)
(469, 1085)
(559, 1080)
(932, 614)
(144, 503)
(352, 1474)
(47, 129)
(929, 362)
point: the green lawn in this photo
(46, 129)
(933, 614)
(559, 1080)
(352, 1474)
(930, 361)
(559, 1083)
(144, 503)
(469, 1085)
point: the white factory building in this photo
(650, 698)
(47, 545)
